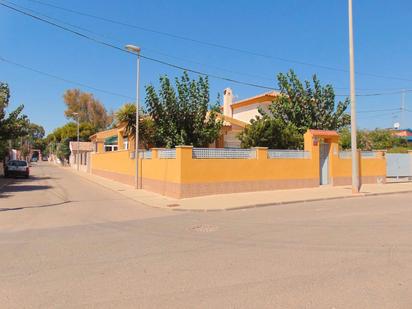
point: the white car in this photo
(17, 168)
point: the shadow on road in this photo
(14, 185)
(22, 188)
(39, 206)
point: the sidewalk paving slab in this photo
(244, 200)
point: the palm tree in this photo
(127, 115)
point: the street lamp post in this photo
(78, 140)
(355, 157)
(136, 50)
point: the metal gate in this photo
(324, 164)
(398, 165)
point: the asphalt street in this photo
(67, 242)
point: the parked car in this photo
(45, 158)
(34, 159)
(17, 168)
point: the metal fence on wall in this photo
(345, 154)
(145, 154)
(223, 153)
(364, 154)
(368, 154)
(288, 154)
(167, 154)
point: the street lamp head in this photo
(133, 48)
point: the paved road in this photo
(68, 243)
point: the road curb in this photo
(289, 202)
(260, 205)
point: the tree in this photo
(63, 149)
(308, 105)
(89, 109)
(35, 131)
(12, 125)
(127, 115)
(372, 140)
(58, 141)
(69, 131)
(298, 107)
(183, 115)
(272, 133)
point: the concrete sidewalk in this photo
(247, 199)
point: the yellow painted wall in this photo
(186, 170)
(168, 170)
(368, 167)
(221, 170)
(113, 161)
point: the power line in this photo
(143, 56)
(120, 41)
(104, 43)
(211, 44)
(168, 55)
(64, 79)
(388, 115)
(379, 110)
(122, 95)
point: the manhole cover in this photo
(204, 228)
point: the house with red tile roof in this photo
(237, 115)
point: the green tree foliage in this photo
(372, 140)
(127, 115)
(35, 131)
(12, 125)
(58, 141)
(69, 131)
(35, 137)
(182, 114)
(308, 105)
(272, 133)
(298, 107)
(89, 109)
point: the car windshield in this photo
(17, 163)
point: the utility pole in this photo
(136, 50)
(355, 158)
(78, 140)
(403, 109)
(78, 143)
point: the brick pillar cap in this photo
(184, 146)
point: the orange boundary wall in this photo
(185, 176)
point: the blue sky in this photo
(307, 31)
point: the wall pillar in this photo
(183, 156)
(184, 153)
(311, 144)
(261, 153)
(155, 153)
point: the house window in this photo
(126, 143)
(110, 148)
(110, 144)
